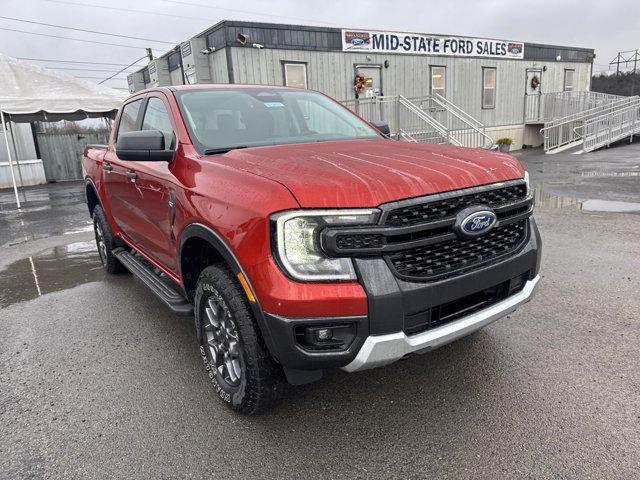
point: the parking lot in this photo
(99, 380)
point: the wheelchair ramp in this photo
(592, 128)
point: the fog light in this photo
(324, 334)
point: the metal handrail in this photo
(620, 101)
(437, 126)
(478, 128)
(460, 128)
(453, 106)
(565, 131)
(607, 128)
(555, 105)
(469, 122)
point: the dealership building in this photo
(497, 83)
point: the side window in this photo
(568, 80)
(156, 117)
(488, 87)
(438, 80)
(295, 75)
(129, 117)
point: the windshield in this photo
(228, 118)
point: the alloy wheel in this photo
(221, 339)
(102, 246)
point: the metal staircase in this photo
(609, 118)
(429, 119)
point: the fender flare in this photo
(88, 182)
(208, 234)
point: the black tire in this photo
(106, 241)
(243, 373)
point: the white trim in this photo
(379, 350)
(23, 162)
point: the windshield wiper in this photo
(213, 151)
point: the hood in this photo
(367, 173)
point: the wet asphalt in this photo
(99, 380)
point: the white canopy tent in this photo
(31, 93)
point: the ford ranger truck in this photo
(300, 237)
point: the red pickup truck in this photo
(300, 237)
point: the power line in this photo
(625, 58)
(84, 69)
(85, 31)
(99, 78)
(117, 73)
(172, 15)
(70, 61)
(246, 12)
(128, 10)
(69, 38)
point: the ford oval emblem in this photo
(475, 221)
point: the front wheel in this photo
(243, 373)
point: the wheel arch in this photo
(216, 250)
(91, 195)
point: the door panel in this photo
(533, 88)
(373, 76)
(117, 185)
(150, 194)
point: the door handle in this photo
(107, 168)
(131, 175)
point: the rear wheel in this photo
(106, 241)
(243, 373)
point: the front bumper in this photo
(379, 350)
(398, 310)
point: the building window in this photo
(438, 80)
(488, 87)
(568, 80)
(295, 74)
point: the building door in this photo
(372, 80)
(532, 95)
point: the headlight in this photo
(526, 181)
(297, 242)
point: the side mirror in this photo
(143, 146)
(383, 128)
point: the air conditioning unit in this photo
(135, 81)
(159, 72)
(195, 61)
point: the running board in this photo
(173, 299)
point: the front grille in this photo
(453, 257)
(430, 211)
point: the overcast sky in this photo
(607, 26)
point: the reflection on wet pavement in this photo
(59, 268)
(549, 200)
(48, 210)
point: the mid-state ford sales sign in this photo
(419, 44)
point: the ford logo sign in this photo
(475, 221)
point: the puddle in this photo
(549, 200)
(53, 270)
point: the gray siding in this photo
(218, 66)
(332, 73)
